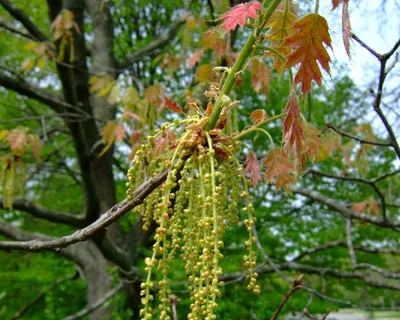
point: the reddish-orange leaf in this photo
(239, 14)
(260, 76)
(373, 205)
(135, 136)
(359, 207)
(172, 105)
(279, 168)
(253, 168)
(212, 40)
(196, 56)
(154, 93)
(36, 144)
(313, 146)
(292, 128)
(308, 44)
(346, 27)
(258, 116)
(128, 114)
(209, 109)
(120, 132)
(108, 134)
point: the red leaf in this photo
(135, 136)
(172, 105)
(258, 116)
(192, 61)
(260, 77)
(119, 132)
(292, 129)
(278, 167)
(239, 14)
(253, 168)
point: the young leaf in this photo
(172, 105)
(163, 140)
(281, 26)
(258, 116)
(307, 42)
(108, 133)
(278, 167)
(36, 144)
(239, 14)
(346, 27)
(119, 132)
(204, 73)
(196, 56)
(17, 140)
(260, 77)
(292, 128)
(253, 168)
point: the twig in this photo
(363, 141)
(173, 300)
(296, 286)
(310, 316)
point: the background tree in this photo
(98, 72)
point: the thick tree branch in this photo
(96, 305)
(153, 47)
(24, 19)
(41, 212)
(90, 231)
(343, 210)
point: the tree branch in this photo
(363, 141)
(24, 19)
(10, 28)
(344, 211)
(96, 305)
(342, 244)
(153, 47)
(41, 212)
(86, 233)
(36, 93)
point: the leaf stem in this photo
(255, 127)
(237, 67)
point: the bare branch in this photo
(310, 316)
(24, 19)
(363, 141)
(292, 290)
(342, 244)
(343, 210)
(96, 305)
(41, 212)
(100, 224)
(10, 28)
(364, 45)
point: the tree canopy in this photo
(200, 159)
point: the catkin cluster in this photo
(192, 209)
